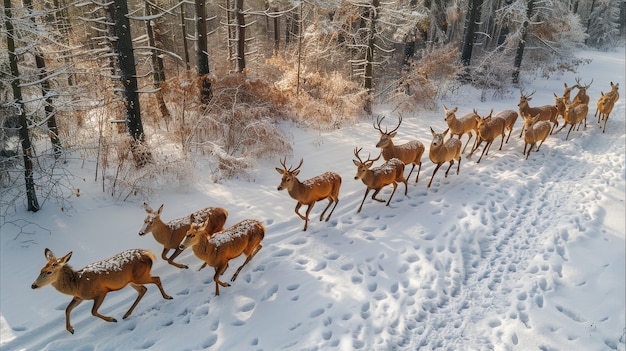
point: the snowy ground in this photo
(508, 255)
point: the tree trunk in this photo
(241, 36)
(128, 72)
(183, 27)
(276, 33)
(27, 150)
(158, 71)
(369, 51)
(522, 43)
(42, 76)
(473, 15)
(206, 92)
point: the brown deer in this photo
(410, 152)
(536, 131)
(567, 91)
(96, 280)
(318, 188)
(581, 97)
(216, 249)
(441, 152)
(390, 172)
(546, 112)
(605, 105)
(574, 114)
(462, 125)
(489, 128)
(509, 117)
(170, 234)
(559, 103)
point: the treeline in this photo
(113, 81)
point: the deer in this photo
(462, 125)
(170, 234)
(536, 132)
(441, 152)
(509, 117)
(546, 112)
(489, 128)
(604, 109)
(390, 172)
(567, 91)
(216, 249)
(559, 103)
(574, 114)
(581, 97)
(96, 280)
(410, 152)
(318, 188)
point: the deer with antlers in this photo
(441, 152)
(489, 128)
(96, 280)
(410, 152)
(310, 191)
(546, 112)
(582, 97)
(170, 234)
(390, 172)
(462, 125)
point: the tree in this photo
(27, 149)
(206, 91)
(471, 19)
(603, 23)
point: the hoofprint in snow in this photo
(510, 254)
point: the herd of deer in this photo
(215, 245)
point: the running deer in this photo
(216, 249)
(559, 103)
(96, 280)
(567, 91)
(582, 97)
(462, 125)
(489, 128)
(410, 152)
(574, 114)
(546, 112)
(536, 132)
(509, 117)
(606, 104)
(441, 152)
(390, 172)
(170, 234)
(318, 188)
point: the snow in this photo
(510, 254)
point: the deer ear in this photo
(296, 172)
(49, 254)
(432, 131)
(65, 258)
(160, 209)
(280, 171)
(356, 163)
(147, 208)
(393, 134)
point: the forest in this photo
(87, 79)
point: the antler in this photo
(399, 122)
(356, 154)
(379, 120)
(282, 162)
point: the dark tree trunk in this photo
(206, 92)
(473, 15)
(27, 150)
(369, 53)
(276, 33)
(42, 76)
(158, 71)
(128, 72)
(241, 36)
(519, 54)
(183, 27)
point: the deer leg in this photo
(362, 201)
(75, 302)
(306, 219)
(164, 254)
(376, 191)
(606, 119)
(509, 136)
(330, 202)
(202, 267)
(298, 213)
(486, 149)
(467, 142)
(157, 281)
(411, 171)
(450, 166)
(96, 304)
(216, 278)
(141, 291)
(458, 165)
(170, 260)
(395, 186)
(502, 140)
(418, 172)
(570, 129)
(433, 176)
(335, 200)
(248, 258)
(476, 146)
